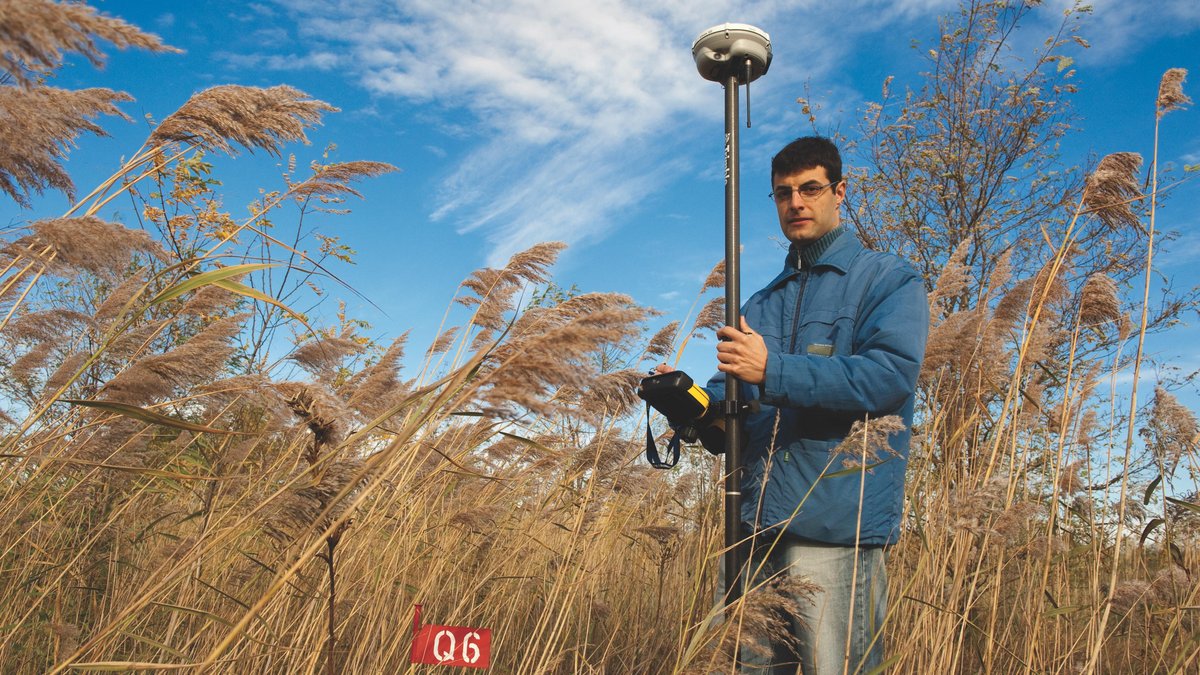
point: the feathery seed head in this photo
(609, 395)
(35, 33)
(953, 280)
(1129, 595)
(495, 288)
(1173, 432)
(377, 387)
(868, 439)
(322, 411)
(39, 126)
(716, 278)
(251, 117)
(110, 308)
(1098, 302)
(1112, 187)
(1171, 587)
(661, 343)
(553, 351)
(46, 325)
(711, 316)
(1170, 91)
(87, 243)
(200, 359)
(322, 355)
(1070, 479)
(442, 342)
(333, 180)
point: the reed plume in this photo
(1111, 189)
(375, 388)
(195, 361)
(332, 181)
(34, 34)
(40, 127)
(111, 307)
(951, 283)
(45, 325)
(1098, 301)
(662, 342)
(715, 278)
(550, 349)
(494, 288)
(1170, 91)
(867, 442)
(323, 413)
(711, 316)
(1173, 432)
(252, 117)
(87, 243)
(323, 354)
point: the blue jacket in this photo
(845, 338)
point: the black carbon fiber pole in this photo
(724, 54)
(733, 304)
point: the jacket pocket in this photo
(825, 332)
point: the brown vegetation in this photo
(168, 503)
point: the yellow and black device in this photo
(685, 405)
(675, 395)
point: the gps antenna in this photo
(732, 54)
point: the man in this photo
(837, 337)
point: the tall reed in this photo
(172, 501)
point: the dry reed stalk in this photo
(548, 544)
(1171, 82)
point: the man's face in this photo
(805, 219)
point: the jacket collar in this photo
(838, 255)
(810, 254)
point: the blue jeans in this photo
(845, 606)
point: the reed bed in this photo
(194, 477)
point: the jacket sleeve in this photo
(882, 372)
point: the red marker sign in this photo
(450, 645)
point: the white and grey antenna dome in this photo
(724, 50)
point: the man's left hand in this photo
(742, 353)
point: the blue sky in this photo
(520, 121)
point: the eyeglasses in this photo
(783, 193)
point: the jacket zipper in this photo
(796, 315)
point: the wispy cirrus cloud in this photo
(1115, 28)
(575, 111)
(565, 98)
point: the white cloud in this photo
(319, 60)
(580, 109)
(1116, 29)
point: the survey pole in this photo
(732, 54)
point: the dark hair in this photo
(808, 152)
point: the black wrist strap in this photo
(652, 449)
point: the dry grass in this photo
(199, 511)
